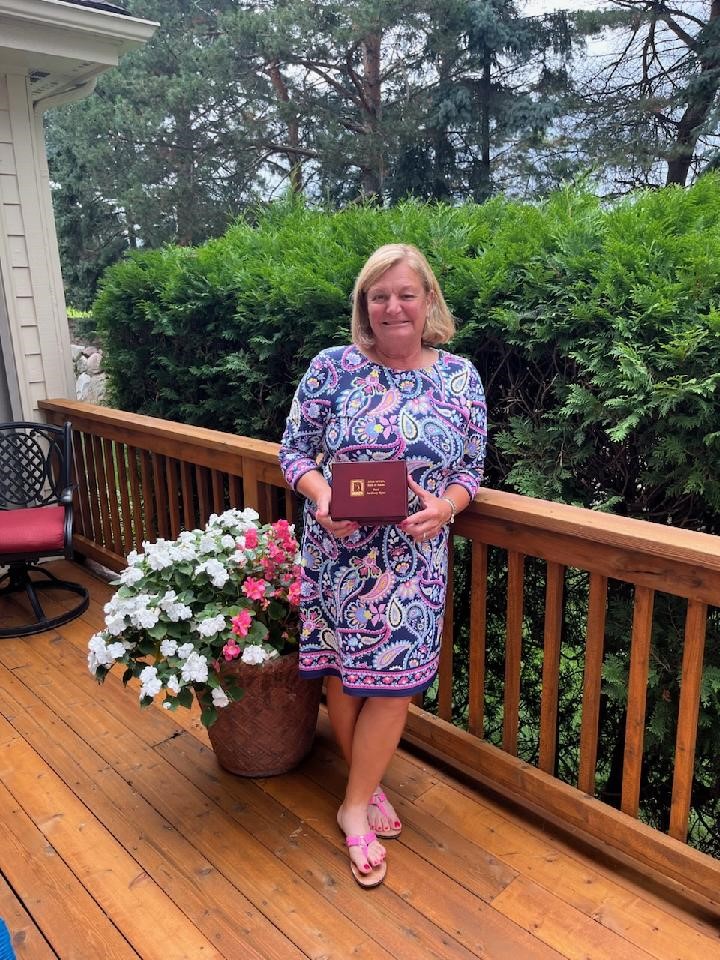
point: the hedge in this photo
(596, 329)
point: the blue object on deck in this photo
(6, 950)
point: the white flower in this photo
(134, 558)
(146, 617)
(147, 674)
(234, 519)
(173, 684)
(115, 623)
(215, 570)
(219, 697)
(159, 559)
(98, 654)
(168, 647)
(131, 575)
(116, 650)
(254, 653)
(207, 544)
(227, 542)
(195, 669)
(174, 610)
(185, 650)
(179, 611)
(211, 626)
(183, 551)
(151, 683)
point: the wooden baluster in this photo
(161, 502)
(692, 668)
(268, 503)
(513, 651)
(290, 506)
(93, 492)
(218, 495)
(592, 682)
(148, 496)
(201, 481)
(551, 666)
(235, 492)
(136, 498)
(113, 501)
(445, 673)
(188, 502)
(127, 537)
(250, 485)
(171, 478)
(478, 621)
(637, 697)
(83, 518)
(107, 537)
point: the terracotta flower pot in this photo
(271, 729)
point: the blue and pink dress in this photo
(372, 604)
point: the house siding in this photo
(28, 253)
(12, 244)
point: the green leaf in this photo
(185, 697)
(208, 716)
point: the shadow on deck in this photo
(122, 838)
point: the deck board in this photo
(121, 837)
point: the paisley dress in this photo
(372, 604)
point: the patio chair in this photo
(36, 520)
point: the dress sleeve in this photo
(303, 437)
(470, 469)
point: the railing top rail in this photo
(139, 426)
(622, 533)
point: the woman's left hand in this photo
(428, 522)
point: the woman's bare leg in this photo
(378, 728)
(343, 711)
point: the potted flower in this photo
(212, 617)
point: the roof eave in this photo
(126, 31)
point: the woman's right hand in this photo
(337, 528)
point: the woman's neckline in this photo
(387, 366)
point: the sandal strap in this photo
(361, 840)
(378, 800)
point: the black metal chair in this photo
(36, 518)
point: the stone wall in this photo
(89, 376)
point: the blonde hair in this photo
(439, 324)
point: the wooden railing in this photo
(140, 478)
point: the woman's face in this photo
(397, 305)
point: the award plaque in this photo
(369, 491)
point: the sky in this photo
(547, 6)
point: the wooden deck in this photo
(121, 838)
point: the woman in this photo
(373, 597)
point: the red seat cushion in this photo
(32, 530)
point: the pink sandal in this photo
(377, 874)
(378, 799)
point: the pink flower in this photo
(276, 553)
(254, 589)
(231, 651)
(268, 568)
(294, 593)
(241, 623)
(282, 528)
(251, 539)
